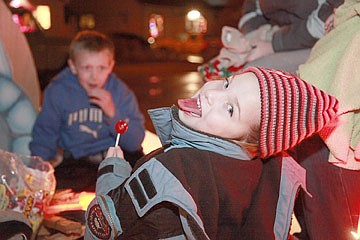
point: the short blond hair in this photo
(92, 41)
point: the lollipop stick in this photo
(117, 140)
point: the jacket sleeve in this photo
(45, 133)
(298, 35)
(304, 34)
(252, 17)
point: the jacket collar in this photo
(172, 131)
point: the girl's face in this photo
(92, 68)
(227, 108)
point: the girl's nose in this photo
(212, 96)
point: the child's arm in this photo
(113, 171)
(45, 133)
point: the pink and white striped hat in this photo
(291, 110)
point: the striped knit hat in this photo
(291, 110)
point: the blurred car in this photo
(131, 48)
(184, 43)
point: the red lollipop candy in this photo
(121, 127)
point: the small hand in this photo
(357, 152)
(103, 99)
(260, 48)
(329, 23)
(115, 152)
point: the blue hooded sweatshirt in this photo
(70, 122)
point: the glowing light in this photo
(195, 59)
(155, 91)
(16, 19)
(156, 25)
(356, 235)
(42, 14)
(25, 22)
(151, 142)
(85, 198)
(21, 3)
(151, 40)
(193, 15)
(87, 21)
(192, 82)
(195, 22)
(80, 202)
(154, 79)
(192, 87)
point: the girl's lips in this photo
(191, 106)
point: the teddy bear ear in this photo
(291, 110)
(233, 40)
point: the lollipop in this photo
(121, 126)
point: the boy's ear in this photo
(112, 63)
(72, 66)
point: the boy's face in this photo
(92, 68)
(226, 108)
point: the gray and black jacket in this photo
(195, 187)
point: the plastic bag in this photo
(27, 185)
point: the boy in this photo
(209, 180)
(80, 109)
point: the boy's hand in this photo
(103, 99)
(115, 152)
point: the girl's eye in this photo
(226, 83)
(230, 109)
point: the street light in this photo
(193, 15)
(195, 23)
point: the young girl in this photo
(209, 181)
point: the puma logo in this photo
(86, 129)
